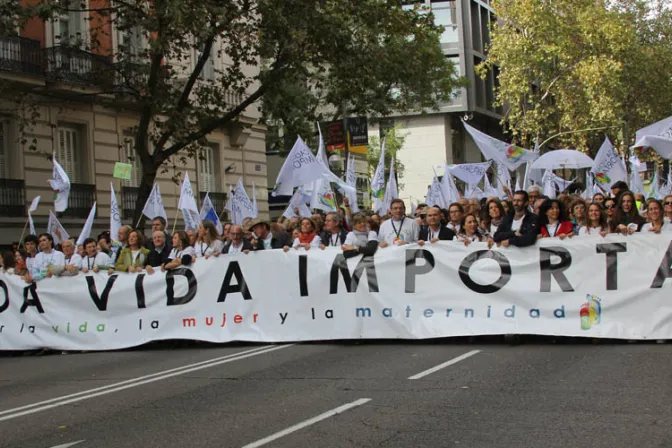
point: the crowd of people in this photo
(520, 221)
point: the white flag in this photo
(61, 186)
(391, 191)
(636, 184)
(255, 206)
(435, 196)
(323, 197)
(115, 216)
(154, 206)
(548, 184)
(473, 192)
(488, 189)
(657, 136)
(351, 179)
(56, 230)
(654, 187)
(470, 173)
(608, 167)
(240, 205)
(187, 205)
(88, 225)
(448, 187)
(33, 207)
(636, 164)
(378, 183)
(301, 167)
(509, 155)
(414, 207)
(298, 200)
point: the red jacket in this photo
(565, 227)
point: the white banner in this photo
(612, 287)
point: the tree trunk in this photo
(148, 178)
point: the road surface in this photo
(385, 394)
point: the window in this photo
(208, 72)
(69, 26)
(68, 148)
(131, 157)
(445, 14)
(207, 174)
(131, 43)
(4, 148)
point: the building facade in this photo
(438, 137)
(88, 138)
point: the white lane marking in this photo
(132, 380)
(308, 422)
(443, 365)
(135, 384)
(68, 445)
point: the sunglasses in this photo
(610, 206)
(668, 202)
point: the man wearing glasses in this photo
(45, 261)
(534, 193)
(455, 215)
(333, 234)
(400, 229)
(237, 244)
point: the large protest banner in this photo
(613, 287)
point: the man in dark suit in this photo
(265, 239)
(521, 228)
(158, 254)
(434, 231)
(237, 244)
(333, 234)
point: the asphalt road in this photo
(393, 394)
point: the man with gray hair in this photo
(72, 260)
(534, 192)
(158, 254)
(333, 234)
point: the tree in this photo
(299, 56)
(394, 141)
(568, 65)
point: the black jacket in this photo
(529, 229)
(247, 245)
(327, 236)
(156, 259)
(278, 241)
(445, 234)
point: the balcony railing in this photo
(12, 198)
(129, 196)
(82, 197)
(20, 55)
(73, 65)
(218, 201)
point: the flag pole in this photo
(177, 215)
(23, 232)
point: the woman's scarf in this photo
(306, 238)
(361, 238)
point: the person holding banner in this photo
(494, 217)
(182, 254)
(470, 233)
(626, 216)
(308, 237)
(333, 235)
(133, 258)
(265, 239)
(158, 255)
(596, 223)
(520, 228)
(434, 231)
(361, 240)
(30, 243)
(552, 222)
(237, 244)
(654, 213)
(667, 207)
(578, 212)
(72, 260)
(48, 259)
(94, 261)
(400, 229)
(207, 245)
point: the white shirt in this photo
(233, 249)
(75, 260)
(180, 253)
(43, 261)
(515, 225)
(454, 227)
(351, 238)
(267, 241)
(585, 231)
(493, 229)
(404, 230)
(552, 229)
(473, 238)
(101, 260)
(667, 227)
(202, 248)
(315, 243)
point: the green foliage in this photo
(301, 57)
(394, 141)
(568, 65)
